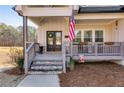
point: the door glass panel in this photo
(58, 38)
(98, 36)
(88, 36)
(54, 41)
(50, 38)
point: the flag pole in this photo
(71, 32)
(72, 40)
(71, 48)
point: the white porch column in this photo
(25, 39)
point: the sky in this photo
(10, 17)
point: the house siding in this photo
(120, 30)
(113, 33)
(108, 30)
(52, 24)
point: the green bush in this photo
(20, 63)
(71, 64)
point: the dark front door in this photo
(54, 40)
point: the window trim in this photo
(98, 37)
(93, 34)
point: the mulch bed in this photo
(14, 71)
(99, 74)
(11, 77)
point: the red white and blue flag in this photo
(71, 35)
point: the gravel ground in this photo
(7, 80)
(102, 74)
(11, 77)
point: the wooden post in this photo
(24, 42)
(64, 56)
(96, 49)
(121, 44)
(71, 48)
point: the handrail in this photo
(29, 55)
(28, 49)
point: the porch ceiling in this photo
(36, 20)
(40, 19)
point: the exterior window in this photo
(78, 37)
(98, 36)
(88, 36)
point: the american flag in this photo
(71, 29)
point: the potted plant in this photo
(20, 63)
(71, 64)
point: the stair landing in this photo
(49, 56)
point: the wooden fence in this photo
(11, 43)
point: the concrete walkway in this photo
(40, 81)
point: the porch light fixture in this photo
(116, 23)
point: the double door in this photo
(54, 40)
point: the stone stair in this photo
(46, 67)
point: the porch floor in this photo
(49, 56)
(101, 58)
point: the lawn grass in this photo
(6, 49)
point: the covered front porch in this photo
(56, 62)
(97, 51)
(98, 37)
(101, 43)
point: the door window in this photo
(58, 38)
(54, 40)
(50, 38)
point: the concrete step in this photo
(46, 63)
(46, 68)
(46, 60)
(44, 73)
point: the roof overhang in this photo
(95, 21)
(39, 11)
(101, 9)
(99, 16)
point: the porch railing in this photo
(30, 54)
(96, 49)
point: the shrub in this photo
(20, 63)
(16, 56)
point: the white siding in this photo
(120, 30)
(113, 31)
(108, 30)
(52, 24)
